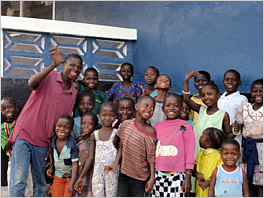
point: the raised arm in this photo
(35, 80)
(186, 94)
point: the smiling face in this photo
(229, 155)
(8, 110)
(231, 82)
(257, 94)
(107, 115)
(126, 72)
(90, 79)
(63, 128)
(199, 81)
(86, 104)
(72, 68)
(163, 82)
(150, 76)
(125, 109)
(209, 96)
(145, 108)
(185, 110)
(87, 124)
(172, 107)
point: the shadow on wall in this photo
(18, 89)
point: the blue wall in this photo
(178, 37)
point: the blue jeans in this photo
(24, 153)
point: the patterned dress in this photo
(104, 184)
(117, 92)
(253, 128)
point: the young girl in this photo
(251, 117)
(90, 81)
(65, 158)
(202, 78)
(228, 180)
(208, 159)
(105, 185)
(137, 151)
(185, 112)
(86, 146)
(163, 85)
(174, 152)
(150, 77)
(125, 88)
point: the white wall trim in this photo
(2, 52)
(68, 28)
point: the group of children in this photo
(141, 140)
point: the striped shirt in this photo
(138, 150)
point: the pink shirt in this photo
(175, 147)
(36, 122)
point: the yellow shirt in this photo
(206, 161)
(193, 115)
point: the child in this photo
(231, 100)
(8, 110)
(202, 78)
(150, 77)
(251, 116)
(137, 151)
(77, 85)
(228, 180)
(185, 112)
(163, 85)
(126, 88)
(86, 146)
(208, 159)
(85, 104)
(53, 94)
(65, 157)
(90, 81)
(105, 185)
(174, 152)
(125, 110)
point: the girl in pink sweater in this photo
(174, 151)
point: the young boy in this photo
(53, 95)
(125, 110)
(150, 77)
(65, 158)
(137, 150)
(231, 100)
(90, 81)
(228, 180)
(163, 85)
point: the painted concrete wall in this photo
(178, 37)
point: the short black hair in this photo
(67, 117)
(91, 69)
(87, 92)
(94, 117)
(212, 85)
(177, 96)
(129, 64)
(127, 99)
(231, 141)
(74, 56)
(145, 97)
(216, 137)
(233, 71)
(110, 104)
(256, 82)
(205, 73)
(154, 68)
(10, 99)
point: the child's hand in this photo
(204, 184)
(56, 55)
(149, 185)
(186, 186)
(191, 74)
(108, 168)
(236, 126)
(199, 177)
(71, 189)
(49, 172)
(79, 185)
(8, 146)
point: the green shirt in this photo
(6, 130)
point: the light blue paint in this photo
(178, 37)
